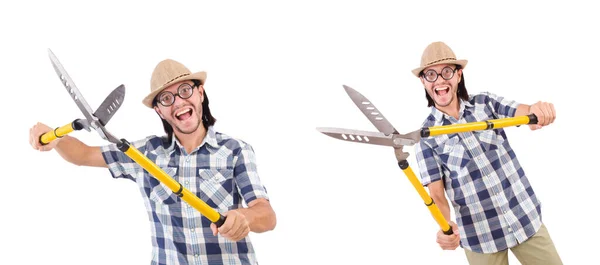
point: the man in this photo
(220, 170)
(496, 208)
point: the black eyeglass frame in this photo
(439, 74)
(178, 94)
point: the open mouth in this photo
(441, 91)
(184, 113)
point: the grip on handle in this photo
(532, 119)
(50, 136)
(59, 132)
(221, 220)
(449, 231)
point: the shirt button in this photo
(509, 229)
(187, 182)
(196, 255)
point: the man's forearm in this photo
(522, 110)
(260, 216)
(436, 190)
(444, 208)
(76, 152)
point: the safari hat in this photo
(438, 53)
(166, 73)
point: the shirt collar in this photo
(440, 116)
(210, 139)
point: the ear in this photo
(201, 90)
(459, 75)
(159, 112)
(422, 81)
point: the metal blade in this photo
(110, 105)
(92, 120)
(372, 113)
(377, 138)
(72, 89)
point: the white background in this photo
(275, 73)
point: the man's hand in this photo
(36, 132)
(449, 242)
(235, 228)
(545, 114)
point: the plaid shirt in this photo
(494, 203)
(221, 171)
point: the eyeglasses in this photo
(167, 98)
(431, 75)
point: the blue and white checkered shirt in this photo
(494, 204)
(221, 171)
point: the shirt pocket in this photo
(489, 139)
(159, 192)
(452, 154)
(216, 187)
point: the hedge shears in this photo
(101, 116)
(97, 121)
(389, 136)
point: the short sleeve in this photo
(429, 163)
(246, 174)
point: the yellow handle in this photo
(172, 184)
(480, 125)
(56, 133)
(435, 211)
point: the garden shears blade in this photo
(73, 90)
(372, 113)
(387, 135)
(110, 105)
(106, 110)
(102, 115)
(377, 138)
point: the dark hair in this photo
(461, 92)
(207, 117)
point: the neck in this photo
(192, 140)
(450, 110)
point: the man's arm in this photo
(522, 110)
(260, 215)
(543, 110)
(78, 153)
(437, 193)
(69, 148)
(504, 108)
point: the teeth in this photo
(440, 88)
(182, 112)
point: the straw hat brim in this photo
(150, 98)
(462, 63)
